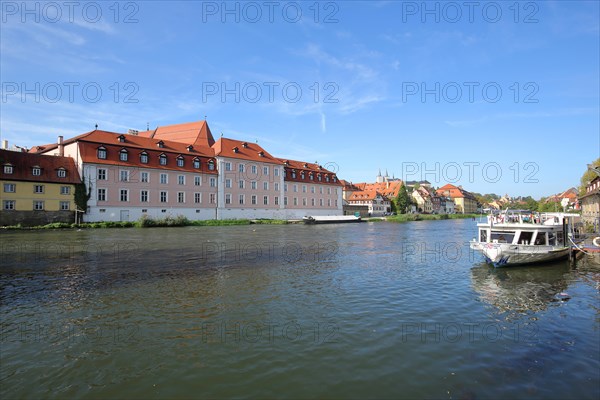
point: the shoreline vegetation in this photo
(180, 221)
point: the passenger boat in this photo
(522, 237)
(330, 219)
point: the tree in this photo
(402, 199)
(587, 177)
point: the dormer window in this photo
(211, 165)
(123, 155)
(235, 149)
(180, 161)
(319, 177)
(101, 153)
(287, 163)
(196, 163)
(293, 173)
(36, 171)
(245, 145)
(61, 172)
(305, 165)
(162, 159)
(190, 148)
(8, 169)
(121, 138)
(160, 144)
(302, 174)
(335, 178)
(144, 158)
(327, 178)
(261, 153)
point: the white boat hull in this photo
(506, 254)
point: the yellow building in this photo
(36, 189)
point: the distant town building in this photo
(464, 201)
(377, 204)
(590, 204)
(37, 189)
(569, 197)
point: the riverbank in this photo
(182, 221)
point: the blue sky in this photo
(500, 97)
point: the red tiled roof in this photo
(195, 133)
(364, 195)
(232, 148)
(308, 169)
(387, 189)
(454, 192)
(23, 164)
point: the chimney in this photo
(61, 148)
(4, 144)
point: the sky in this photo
(499, 97)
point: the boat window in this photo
(483, 236)
(540, 238)
(502, 236)
(559, 239)
(552, 239)
(525, 237)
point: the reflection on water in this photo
(523, 289)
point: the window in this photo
(266, 171)
(276, 171)
(213, 182)
(319, 177)
(197, 198)
(124, 176)
(65, 205)
(144, 158)
(321, 202)
(328, 202)
(311, 176)
(38, 205)
(276, 186)
(241, 199)
(228, 183)
(321, 189)
(327, 178)
(211, 165)
(180, 197)
(9, 187)
(8, 169)
(295, 188)
(285, 202)
(303, 188)
(180, 161)
(276, 200)
(101, 174)
(227, 198)
(197, 180)
(304, 201)
(181, 179)
(312, 202)
(162, 159)
(253, 169)
(164, 179)
(253, 185)
(124, 195)
(163, 196)
(121, 138)
(241, 167)
(302, 175)
(37, 171)
(144, 177)
(65, 190)
(144, 196)
(38, 189)
(8, 204)
(266, 200)
(312, 189)
(253, 199)
(265, 185)
(123, 155)
(295, 201)
(101, 194)
(160, 144)
(213, 198)
(227, 166)
(101, 153)
(241, 184)
(293, 174)
(196, 163)
(285, 187)
(61, 173)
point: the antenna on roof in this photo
(221, 134)
(147, 126)
(256, 141)
(96, 126)
(205, 117)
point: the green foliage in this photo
(551, 206)
(587, 177)
(81, 197)
(402, 200)
(147, 222)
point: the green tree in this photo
(402, 200)
(587, 177)
(82, 196)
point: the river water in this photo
(371, 310)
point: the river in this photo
(371, 310)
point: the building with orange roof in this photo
(37, 189)
(181, 170)
(464, 201)
(377, 203)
